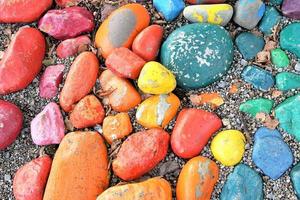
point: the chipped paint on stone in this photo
(162, 108)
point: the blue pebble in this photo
(169, 8)
(265, 132)
(243, 183)
(271, 154)
(270, 19)
(249, 44)
(295, 176)
(259, 78)
(276, 2)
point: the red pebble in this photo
(193, 129)
(147, 43)
(67, 3)
(16, 11)
(11, 120)
(124, 63)
(30, 180)
(70, 47)
(140, 153)
(22, 60)
(50, 80)
(67, 23)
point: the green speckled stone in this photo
(288, 115)
(269, 20)
(255, 106)
(287, 81)
(279, 58)
(290, 38)
(198, 54)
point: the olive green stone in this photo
(255, 106)
(287, 81)
(288, 115)
(279, 58)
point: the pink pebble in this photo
(50, 80)
(67, 3)
(48, 126)
(70, 47)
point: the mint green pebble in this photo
(255, 106)
(279, 58)
(287, 81)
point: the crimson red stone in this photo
(124, 63)
(22, 11)
(70, 47)
(193, 129)
(140, 153)
(67, 23)
(11, 120)
(147, 43)
(67, 3)
(22, 60)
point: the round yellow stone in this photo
(228, 147)
(156, 79)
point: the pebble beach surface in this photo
(28, 100)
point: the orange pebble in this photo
(234, 88)
(213, 99)
(116, 127)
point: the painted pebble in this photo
(170, 9)
(270, 153)
(270, 19)
(295, 176)
(279, 58)
(291, 9)
(67, 3)
(205, 1)
(255, 106)
(157, 111)
(147, 43)
(276, 2)
(121, 27)
(156, 79)
(289, 38)
(193, 129)
(287, 80)
(219, 14)
(198, 54)
(140, 153)
(197, 179)
(11, 121)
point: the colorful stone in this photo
(205, 1)
(214, 99)
(270, 19)
(67, 3)
(170, 9)
(295, 176)
(192, 130)
(287, 81)
(198, 54)
(279, 58)
(291, 9)
(289, 38)
(255, 106)
(121, 27)
(276, 2)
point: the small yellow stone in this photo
(156, 79)
(228, 147)
(157, 111)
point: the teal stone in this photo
(243, 183)
(198, 54)
(287, 81)
(255, 106)
(290, 38)
(269, 20)
(276, 2)
(295, 176)
(279, 58)
(288, 115)
(249, 44)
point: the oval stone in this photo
(291, 9)
(170, 9)
(193, 129)
(121, 27)
(198, 54)
(228, 147)
(255, 106)
(279, 58)
(197, 179)
(205, 1)
(295, 176)
(243, 183)
(157, 111)
(219, 14)
(289, 38)
(287, 80)
(270, 19)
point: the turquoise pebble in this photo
(295, 176)
(287, 81)
(169, 8)
(290, 38)
(255, 106)
(269, 20)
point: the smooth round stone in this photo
(205, 1)
(169, 8)
(157, 111)
(276, 2)
(156, 79)
(291, 8)
(255, 106)
(243, 183)
(279, 58)
(270, 19)
(219, 14)
(249, 44)
(295, 176)
(290, 40)
(198, 54)
(287, 81)
(288, 115)
(121, 27)
(228, 147)
(270, 153)
(259, 78)
(248, 13)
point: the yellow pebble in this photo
(228, 147)
(156, 79)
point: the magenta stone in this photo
(291, 8)
(70, 47)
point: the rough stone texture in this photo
(289, 38)
(291, 8)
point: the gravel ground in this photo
(23, 150)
